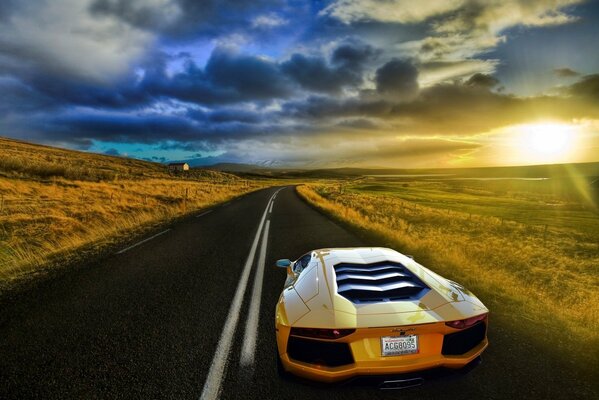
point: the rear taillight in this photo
(466, 323)
(321, 333)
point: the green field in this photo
(555, 202)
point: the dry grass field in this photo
(532, 256)
(57, 205)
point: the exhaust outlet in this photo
(401, 384)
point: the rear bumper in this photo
(367, 359)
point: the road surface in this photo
(169, 315)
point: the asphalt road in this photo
(170, 317)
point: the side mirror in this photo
(283, 263)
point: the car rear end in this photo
(332, 355)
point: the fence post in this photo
(185, 201)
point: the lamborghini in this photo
(350, 312)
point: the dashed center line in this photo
(212, 387)
(251, 325)
(204, 213)
(143, 241)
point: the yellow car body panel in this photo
(312, 301)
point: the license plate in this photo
(399, 345)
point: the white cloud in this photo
(461, 29)
(268, 21)
(443, 71)
(62, 36)
(403, 11)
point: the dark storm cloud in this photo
(354, 55)
(313, 74)
(18, 97)
(124, 94)
(138, 13)
(565, 72)
(152, 128)
(397, 78)
(33, 90)
(449, 109)
(175, 19)
(358, 123)
(482, 80)
(324, 107)
(587, 87)
(248, 75)
(235, 115)
(227, 78)
(346, 67)
(230, 77)
(7, 8)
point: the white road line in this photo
(204, 213)
(251, 325)
(272, 203)
(212, 386)
(142, 242)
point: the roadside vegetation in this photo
(57, 205)
(531, 254)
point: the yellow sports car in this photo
(351, 312)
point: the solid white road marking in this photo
(204, 213)
(251, 324)
(142, 242)
(212, 386)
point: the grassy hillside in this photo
(530, 253)
(28, 160)
(56, 205)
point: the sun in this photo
(548, 139)
(538, 142)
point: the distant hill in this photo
(234, 167)
(526, 171)
(21, 159)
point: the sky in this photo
(286, 83)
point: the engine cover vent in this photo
(378, 282)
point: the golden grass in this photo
(547, 276)
(45, 218)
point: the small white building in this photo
(178, 167)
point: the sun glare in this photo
(548, 139)
(542, 142)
